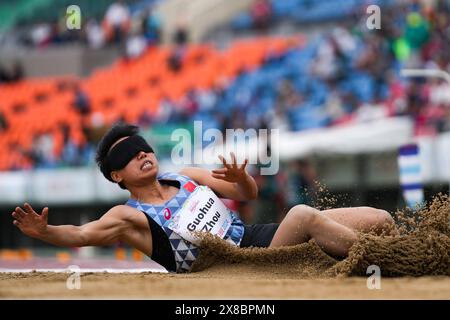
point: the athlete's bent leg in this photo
(303, 223)
(364, 219)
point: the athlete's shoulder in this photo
(120, 211)
(126, 215)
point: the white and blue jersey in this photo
(185, 252)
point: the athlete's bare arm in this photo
(232, 181)
(120, 223)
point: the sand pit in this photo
(414, 265)
(219, 283)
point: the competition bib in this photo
(202, 211)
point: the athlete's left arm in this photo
(231, 181)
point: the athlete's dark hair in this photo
(117, 131)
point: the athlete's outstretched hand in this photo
(29, 222)
(231, 172)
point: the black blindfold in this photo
(122, 153)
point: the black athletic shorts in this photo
(255, 235)
(258, 235)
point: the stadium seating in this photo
(34, 11)
(309, 11)
(249, 72)
(123, 91)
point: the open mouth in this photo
(146, 165)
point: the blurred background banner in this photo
(411, 178)
(313, 70)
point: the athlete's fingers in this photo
(244, 165)
(233, 160)
(16, 223)
(16, 216)
(20, 212)
(225, 164)
(28, 208)
(45, 213)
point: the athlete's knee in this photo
(304, 214)
(384, 217)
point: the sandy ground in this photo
(421, 249)
(218, 284)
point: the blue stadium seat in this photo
(242, 21)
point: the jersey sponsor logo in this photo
(167, 214)
(189, 186)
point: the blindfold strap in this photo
(123, 152)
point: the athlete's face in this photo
(142, 166)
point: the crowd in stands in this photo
(347, 73)
(264, 14)
(147, 90)
(358, 66)
(117, 27)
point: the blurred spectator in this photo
(287, 99)
(416, 102)
(377, 60)
(145, 120)
(334, 105)
(181, 35)
(417, 30)
(396, 102)
(416, 98)
(277, 119)
(189, 103)
(117, 20)
(135, 46)
(61, 34)
(42, 151)
(207, 99)
(237, 120)
(17, 73)
(95, 128)
(165, 109)
(12, 74)
(41, 34)
(94, 34)
(445, 124)
(440, 92)
(70, 155)
(261, 13)
(180, 38)
(331, 63)
(151, 26)
(81, 100)
(175, 59)
(435, 118)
